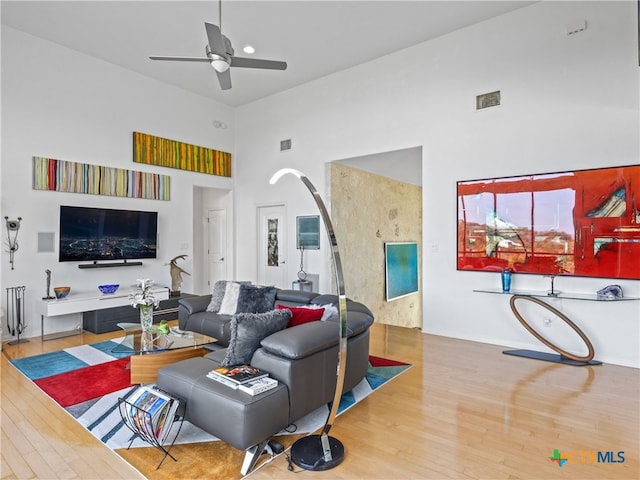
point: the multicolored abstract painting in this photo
(581, 222)
(163, 152)
(72, 177)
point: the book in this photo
(254, 387)
(239, 373)
(223, 380)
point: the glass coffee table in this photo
(151, 350)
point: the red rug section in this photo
(87, 383)
(384, 362)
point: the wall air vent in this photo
(486, 100)
(576, 27)
(285, 145)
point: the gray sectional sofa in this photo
(303, 358)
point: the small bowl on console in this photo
(110, 288)
(61, 292)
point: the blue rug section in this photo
(377, 376)
(376, 380)
(47, 364)
(108, 346)
(347, 400)
(387, 372)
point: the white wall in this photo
(568, 103)
(61, 104)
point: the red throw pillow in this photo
(302, 315)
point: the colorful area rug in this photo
(88, 380)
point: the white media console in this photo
(85, 302)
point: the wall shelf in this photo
(560, 295)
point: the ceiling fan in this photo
(220, 55)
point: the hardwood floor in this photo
(464, 410)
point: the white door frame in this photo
(217, 268)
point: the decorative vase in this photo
(506, 280)
(146, 341)
(146, 317)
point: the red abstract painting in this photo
(583, 223)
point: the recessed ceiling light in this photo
(249, 49)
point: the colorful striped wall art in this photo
(72, 177)
(163, 152)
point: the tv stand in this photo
(85, 302)
(105, 265)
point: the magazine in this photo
(254, 387)
(165, 422)
(152, 412)
(239, 373)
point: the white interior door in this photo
(272, 246)
(217, 246)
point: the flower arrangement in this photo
(142, 297)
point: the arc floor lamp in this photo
(322, 452)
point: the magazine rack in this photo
(139, 421)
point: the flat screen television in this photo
(92, 234)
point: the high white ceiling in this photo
(315, 38)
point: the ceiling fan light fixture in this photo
(220, 65)
(220, 56)
(249, 49)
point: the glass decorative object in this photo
(146, 317)
(506, 280)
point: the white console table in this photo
(86, 302)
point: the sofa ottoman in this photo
(233, 416)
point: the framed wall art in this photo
(308, 232)
(401, 269)
(163, 152)
(74, 177)
(581, 223)
(272, 242)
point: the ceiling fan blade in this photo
(216, 42)
(225, 79)
(257, 63)
(181, 59)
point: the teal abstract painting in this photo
(401, 261)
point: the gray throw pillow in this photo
(255, 299)
(217, 295)
(248, 330)
(230, 301)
